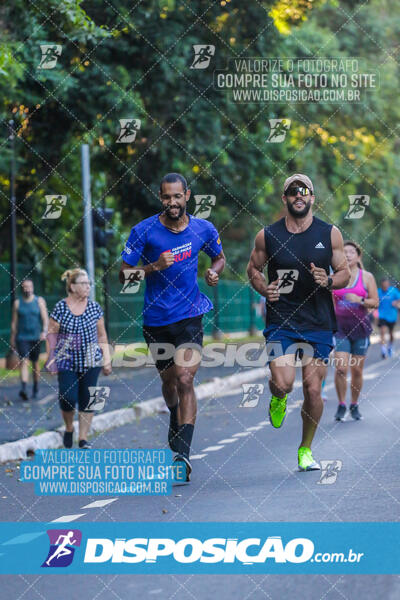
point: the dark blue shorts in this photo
(73, 388)
(29, 349)
(357, 347)
(281, 341)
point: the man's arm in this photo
(217, 266)
(255, 268)
(396, 301)
(341, 275)
(14, 323)
(45, 317)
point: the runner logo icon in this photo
(54, 206)
(329, 471)
(204, 204)
(251, 394)
(357, 207)
(279, 129)
(133, 278)
(62, 547)
(128, 130)
(202, 56)
(98, 396)
(50, 55)
(287, 279)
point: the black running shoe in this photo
(182, 475)
(23, 395)
(341, 411)
(85, 445)
(68, 439)
(355, 413)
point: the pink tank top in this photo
(358, 288)
(352, 317)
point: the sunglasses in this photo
(292, 191)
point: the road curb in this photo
(21, 449)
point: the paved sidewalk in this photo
(20, 419)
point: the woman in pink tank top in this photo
(353, 305)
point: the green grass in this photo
(13, 376)
(5, 375)
(39, 431)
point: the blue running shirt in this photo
(386, 310)
(172, 294)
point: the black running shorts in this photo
(188, 331)
(389, 324)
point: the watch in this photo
(329, 284)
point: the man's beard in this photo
(26, 294)
(177, 216)
(299, 213)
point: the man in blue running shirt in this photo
(168, 244)
(389, 303)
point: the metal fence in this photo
(235, 307)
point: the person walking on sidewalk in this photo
(299, 250)
(389, 303)
(29, 323)
(169, 244)
(352, 306)
(77, 347)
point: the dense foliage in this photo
(126, 59)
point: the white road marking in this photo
(369, 376)
(99, 503)
(47, 398)
(212, 448)
(241, 434)
(67, 518)
(197, 456)
(233, 392)
(228, 441)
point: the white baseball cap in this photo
(298, 177)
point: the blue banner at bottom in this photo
(209, 548)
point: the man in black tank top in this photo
(299, 251)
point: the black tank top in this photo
(302, 305)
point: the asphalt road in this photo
(244, 471)
(128, 386)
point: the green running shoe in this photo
(306, 461)
(277, 411)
